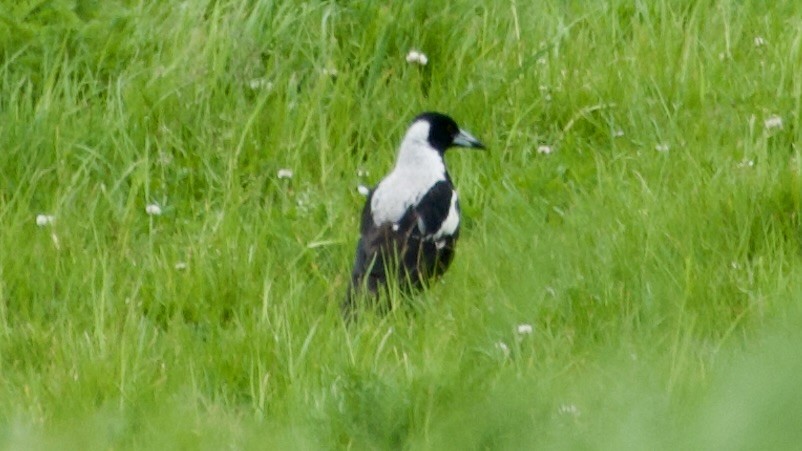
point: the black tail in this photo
(366, 282)
(367, 276)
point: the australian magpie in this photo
(410, 222)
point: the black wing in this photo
(434, 207)
(425, 257)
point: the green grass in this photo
(662, 286)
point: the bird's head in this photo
(441, 132)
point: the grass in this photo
(656, 252)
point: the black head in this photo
(444, 132)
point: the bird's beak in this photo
(465, 139)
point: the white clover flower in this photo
(759, 41)
(568, 409)
(618, 133)
(363, 190)
(416, 57)
(285, 173)
(545, 92)
(544, 149)
(524, 329)
(44, 220)
(153, 210)
(662, 147)
(165, 158)
(261, 83)
(180, 266)
(772, 122)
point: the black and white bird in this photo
(410, 222)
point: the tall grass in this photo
(638, 208)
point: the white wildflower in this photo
(746, 163)
(773, 122)
(165, 158)
(44, 220)
(545, 92)
(759, 41)
(153, 210)
(568, 409)
(261, 83)
(524, 329)
(416, 57)
(303, 201)
(180, 266)
(544, 149)
(618, 133)
(363, 190)
(501, 346)
(285, 173)
(662, 147)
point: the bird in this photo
(410, 221)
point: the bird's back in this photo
(414, 249)
(410, 222)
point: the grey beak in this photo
(465, 139)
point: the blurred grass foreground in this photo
(179, 202)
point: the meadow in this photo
(179, 210)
